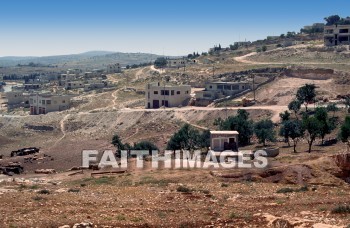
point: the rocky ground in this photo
(179, 198)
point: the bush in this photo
(44, 191)
(183, 189)
(224, 185)
(341, 210)
(285, 190)
(289, 190)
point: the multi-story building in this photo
(335, 35)
(158, 95)
(114, 68)
(216, 90)
(45, 103)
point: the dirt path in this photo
(243, 59)
(62, 126)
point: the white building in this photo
(16, 97)
(216, 90)
(224, 140)
(176, 63)
(74, 85)
(44, 103)
(167, 95)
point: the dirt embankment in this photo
(63, 136)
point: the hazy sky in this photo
(39, 28)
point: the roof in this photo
(224, 132)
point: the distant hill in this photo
(86, 60)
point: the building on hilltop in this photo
(335, 35)
(167, 95)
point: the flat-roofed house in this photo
(217, 90)
(16, 97)
(45, 103)
(224, 140)
(167, 95)
(176, 63)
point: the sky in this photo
(57, 27)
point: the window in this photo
(227, 87)
(186, 92)
(220, 87)
(48, 102)
(172, 92)
(155, 92)
(242, 87)
(43, 102)
(344, 31)
(210, 87)
(63, 101)
(164, 92)
(235, 87)
(206, 95)
(178, 92)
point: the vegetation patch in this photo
(183, 189)
(342, 209)
(289, 190)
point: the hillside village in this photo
(287, 95)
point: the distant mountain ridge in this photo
(91, 59)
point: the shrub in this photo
(341, 210)
(285, 190)
(183, 189)
(44, 191)
(224, 185)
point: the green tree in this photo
(234, 46)
(205, 139)
(296, 131)
(240, 123)
(284, 116)
(325, 125)
(292, 129)
(332, 20)
(263, 48)
(116, 141)
(187, 138)
(160, 62)
(264, 131)
(332, 107)
(312, 127)
(344, 133)
(145, 145)
(306, 94)
(295, 107)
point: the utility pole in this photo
(163, 94)
(254, 86)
